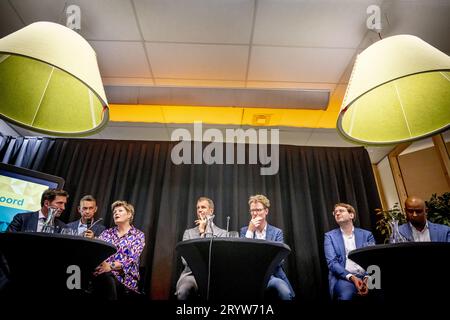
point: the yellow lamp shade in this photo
(399, 91)
(50, 82)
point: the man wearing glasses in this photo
(346, 278)
(258, 228)
(418, 228)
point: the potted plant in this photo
(389, 219)
(439, 208)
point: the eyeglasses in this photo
(338, 210)
(258, 210)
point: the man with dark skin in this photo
(418, 228)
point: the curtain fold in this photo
(302, 194)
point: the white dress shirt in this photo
(41, 221)
(261, 235)
(421, 236)
(350, 244)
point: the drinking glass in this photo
(67, 231)
(233, 234)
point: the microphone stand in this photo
(209, 255)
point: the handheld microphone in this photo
(93, 224)
(88, 223)
(51, 214)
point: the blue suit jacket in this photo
(335, 252)
(97, 229)
(438, 232)
(274, 234)
(28, 221)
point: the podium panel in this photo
(38, 261)
(409, 271)
(238, 269)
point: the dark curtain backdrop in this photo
(309, 182)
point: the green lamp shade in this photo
(399, 91)
(50, 82)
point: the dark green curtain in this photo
(302, 194)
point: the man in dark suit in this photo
(346, 278)
(87, 210)
(187, 288)
(418, 228)
(54, 199)
(258, 228)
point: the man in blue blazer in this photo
(258, 228)
(87, 210)
(346, 278)
(34, 221)
(418, 228)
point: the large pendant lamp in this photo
(399, 91)
(50, 82)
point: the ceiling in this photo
(146, 47)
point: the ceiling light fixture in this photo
(399, 91)
(50, 82)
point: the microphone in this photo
(88, 223)
(51, 214)
(209, 220)
(228, 224)
(93, 224)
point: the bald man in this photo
(418, 228)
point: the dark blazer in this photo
(28, 221)
(274, 234)
(335, 253)
(97, 228)
(438, 232)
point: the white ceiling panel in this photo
(377, 154)
(121, 59)
(113, 81)
(186, 61)
(298, 64)
(327, 138)
(9, 20)
(291, 85)
(122, 94)
(44, 10)
(135, 133)
(335, 24)
(199, 83)
(429, 20)
(107, 20)
(7, 130)
(205, 21)
(295, 137)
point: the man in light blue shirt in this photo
(86, 226)
(418, 228)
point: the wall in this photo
(387, 183)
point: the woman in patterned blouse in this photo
(119, 274)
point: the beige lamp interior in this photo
(399, 91)
(50, 82)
